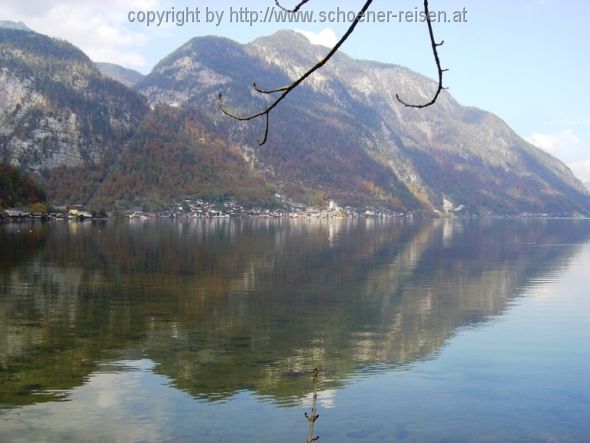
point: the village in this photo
(202, 209)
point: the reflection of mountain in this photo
(18, 243)
(233, 305)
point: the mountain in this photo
(173, 155)
(128, 77)
(20, 26)
(343, 134)
(58, 111)
(96, 142)
(587, 184)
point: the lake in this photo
(209, 331)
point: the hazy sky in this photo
(527, 61)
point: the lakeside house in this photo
(15, 213)
(80, 214)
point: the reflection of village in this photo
(226, 305)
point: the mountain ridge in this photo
(440, 153)
(128, 77)
(20, 26)
(342, 135)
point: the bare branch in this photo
(269, 91)
(284, 91)
(312, 418)
(295, 9)
(288, 89)
(441, 71)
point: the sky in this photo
(527, 61)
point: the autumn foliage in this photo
(17, 188)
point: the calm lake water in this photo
(207, 331)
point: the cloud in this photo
(568, 147)
(99, 28)
(565, 145)
(326, 37)
(581, 169)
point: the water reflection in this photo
(224, 307)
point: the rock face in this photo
(344, 133)
(128, 77)
(56, 109)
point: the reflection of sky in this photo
(325, 399)
(520, 378)
(134, 404)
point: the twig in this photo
(286, 90)
(314, 410)
(441, 71)
(295, 9)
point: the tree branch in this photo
(286, 90)
(312, 418)
(441, 71)
(295, 9)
